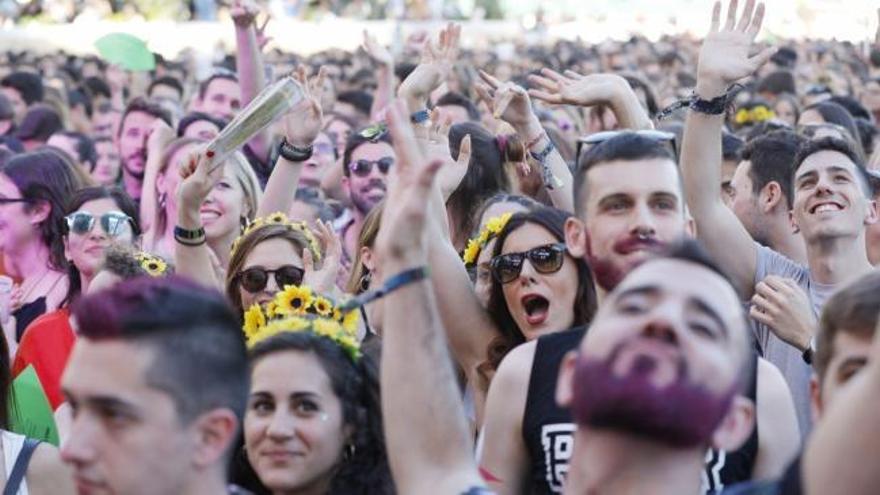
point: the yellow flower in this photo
(350, 322)
(326, 328)
(472, 251)
(337, 314)
(271, 309)
(496, 225)
(322, 306)
(277, 217)
(254, 320)
(294, 300)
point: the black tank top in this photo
(548, 431)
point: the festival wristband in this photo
(551, 182)
(190, 237)
(294, 153)
(401, 279)
(420, 117)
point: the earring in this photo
(349, 452)
(163, 198)
(365, 282)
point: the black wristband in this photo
(390, 285)
(294, 153)
(190, 237)
(715, 106)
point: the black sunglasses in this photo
(544, 259)
(254, 279)
(587, 142)
(82, 222)
(363, 168)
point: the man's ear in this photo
(690, 225)
(214, 433)
(565, 382)
(576, 237)
(794, 226)
(736, 427)
(39, 211)
(871, 215)
(770, 196)
(816, 402)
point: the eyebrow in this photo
(853, 361)
(104, 402)
(703, 307)
(648, 290)
(614, 197)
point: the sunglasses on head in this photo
(545, 259)
(363, 168)
(587, 142)
(113, 223)
(256, 278)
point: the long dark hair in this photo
(81, 197)
(553, 221)
(356, 385)
(44, 176)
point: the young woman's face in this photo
(86, 249)
(294, 430)
(17, 226)
(786, 112)
(224, 207)
(483, 279)
(106, 171)
(269, 255)
(539, 303)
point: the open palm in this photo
(724, 56)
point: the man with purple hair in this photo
(158, 383)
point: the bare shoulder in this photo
(514, 371)
(47, 473)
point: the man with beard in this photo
(131, 141)
(830, 206)
(367, 158)
(621, 224)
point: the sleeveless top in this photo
(12, 444)
(26, 314)
(548, 430)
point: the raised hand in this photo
(574, 89)
(244, 12)
(159, 135)
(401, 237)
(507, 101)
(437, 62)
(724, 56)
(304, 121)
(784, 307)
(323, 278)
(199, 176)
(436, 146)
(377, 52)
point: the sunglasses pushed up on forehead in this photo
(112, 223)
(545, 259)
(587, 142)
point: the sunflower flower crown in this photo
(152, 264)
(493, 227)
(279, 218)
(754, 116)
(299, 309)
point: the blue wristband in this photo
(420, 117)
(401, 279)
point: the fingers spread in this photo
(731, 15)
(746, 19)
(716, 17)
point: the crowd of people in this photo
(627, 268)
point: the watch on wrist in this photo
(294, 153)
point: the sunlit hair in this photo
(359, 278)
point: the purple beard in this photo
(681, 414)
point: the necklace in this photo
(27, 294)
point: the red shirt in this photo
(46, 344)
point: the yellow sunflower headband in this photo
(757, 114)
(279, 218)
(153, 265)
(298, 309)
(493, 227)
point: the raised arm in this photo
(302, 125)
(160, 135)
(724, 59)
(249, 63)
(425, 429)
(595, 89)
(437, 62)
(384, 75)
(192, 256)
(511, 104)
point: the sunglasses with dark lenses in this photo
(544, 259)
(113, 223)
(254, 279)
(363, 168)
(587, 142)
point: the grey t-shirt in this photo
(787, 358)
